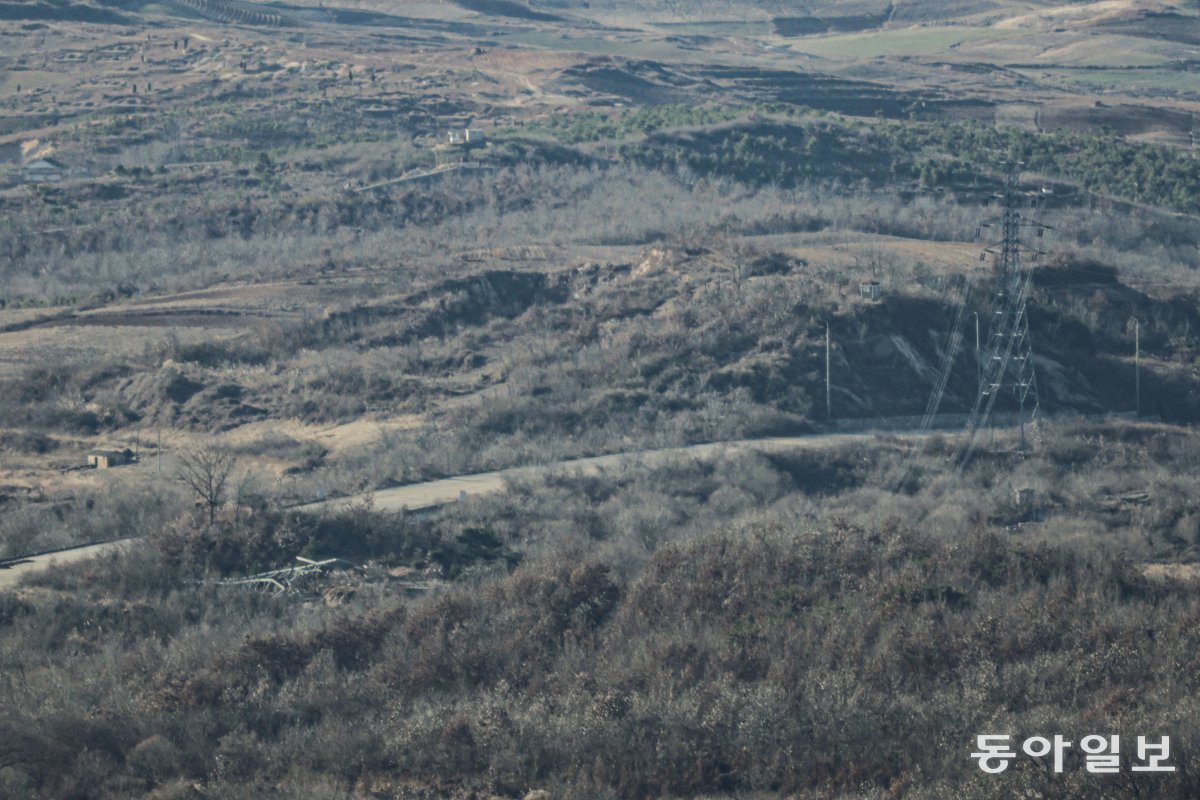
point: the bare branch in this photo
(206, 468)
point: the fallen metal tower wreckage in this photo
(308, 574)
(285, 580)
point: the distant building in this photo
(104, 459)
(870, 290)
(44, 170)
(457, 145)
(465, 136)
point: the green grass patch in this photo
(906, 41)
(935, 154)
(1167, 81)
(594, 126)
(718, 28)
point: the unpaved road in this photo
(436, 493)
(11, 572)
(447, 490)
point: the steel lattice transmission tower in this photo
(1008, 359)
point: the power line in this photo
(1008, 365)
(1008, 362)
(953, 343)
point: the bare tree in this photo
(206, 468)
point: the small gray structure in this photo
(104, 459)
(44, 170)
(870, 290)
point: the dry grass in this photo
(1180, 573)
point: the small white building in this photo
(465, 136)
(44, 170)
(870, 290)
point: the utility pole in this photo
(158, 448)
(978, 363)
(1022, 419)
(828, 393)
(1137, 365)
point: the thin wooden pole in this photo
(828, 392)
(1137, 365)
(978, 363)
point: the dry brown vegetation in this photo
(252, 277)
(750, 625)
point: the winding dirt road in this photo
(448, 490)
(436, 493)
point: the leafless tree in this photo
(206, 468)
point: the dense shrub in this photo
(759, 641)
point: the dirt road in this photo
(448, 490)
(436, 493)
(11, 571)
